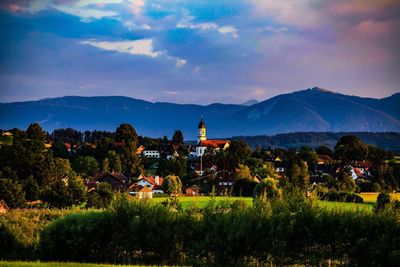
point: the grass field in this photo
(58, 264)
(201, 201)
(371, 198)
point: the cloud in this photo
(86, 14)
(136, 6)
(180, 62)
(229, 29)
(142, 47)
(133, 26)
(137, 47)
(187, 22)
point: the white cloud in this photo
(86, 14)
(137, 47)
(229, 29)
(142, 47)
(180, 62)
(187, 22)
(133, 26)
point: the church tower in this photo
(202, 131)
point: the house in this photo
(151, 153)
(150, 182)
(116, 179)
(139, 150)
(203, 143)
(145, 193)
(3, 207)
(192, 191)
(225, 181)
(324, 160)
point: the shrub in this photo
(382, 201)
(19, 231)
(340, 196)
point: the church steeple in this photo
(202, 130)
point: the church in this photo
(203, 143)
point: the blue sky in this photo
(197, 51)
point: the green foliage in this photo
(237, 152)
(177, 138)
(101, 197)
(35, 132)
(284, 231)
(19, 231)
(350, 148)
(65, 192)
(268, 188)
(243, 172)
(12, 193)
(172, 185)
(382, 202)
(340, 196)
(126, 133)
(86, 166)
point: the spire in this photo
(201, 123)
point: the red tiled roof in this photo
(152, 180)
(67, 145)
(213, 143)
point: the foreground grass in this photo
(58, 264)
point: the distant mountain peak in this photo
(323, 90)
(250, 102)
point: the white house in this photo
(151, 154)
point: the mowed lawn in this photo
(59, 264)
(371, 198)
(201, 201)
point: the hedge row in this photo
(340, 196)
(288, 231)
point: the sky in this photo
(182, 51)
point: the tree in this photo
(31, 188)
(64, 193)
(243, 172)
(172, 185)
(345, 182)
(268, 187)
(298, 174)
(59, 150)
(35, 132)
(324, 150)
(126, 133)
(112, 163)
(237, 152)
(86, 166)
(351, 148)
(12, 193)
(63, 168)
(177, 138)
(101, 196)
(309, 156)
(244, 188)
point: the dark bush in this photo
(382, 201)
(340, 197)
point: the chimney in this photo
(157, 180)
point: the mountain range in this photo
(310, 110)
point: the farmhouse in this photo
(145, 192)
(150, 182)
(116, 179)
